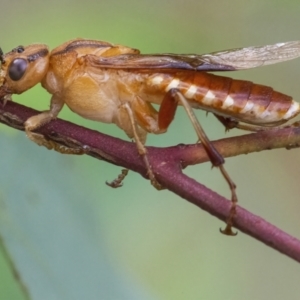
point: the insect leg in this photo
(151, 120)
(140, 146)
(118, 182)
(215, 157)
(230, 123)
(167, 110)
(42, 119)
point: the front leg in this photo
(43, 118)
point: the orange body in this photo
(239, 99)
(95, 78)
(116, 84)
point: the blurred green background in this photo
(72, 237)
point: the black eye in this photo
(17, 69)
(20, 49)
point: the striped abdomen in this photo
(239, 99)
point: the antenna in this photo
(2, 56)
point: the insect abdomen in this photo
(239, 99)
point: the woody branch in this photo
(167, 164)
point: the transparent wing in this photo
(228, 60)
(251, 57)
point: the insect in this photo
(116, 84)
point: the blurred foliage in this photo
(72, 237)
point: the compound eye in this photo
(17, 69)
(20, 49)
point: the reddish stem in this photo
(167, 164)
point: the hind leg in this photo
(170, 102)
